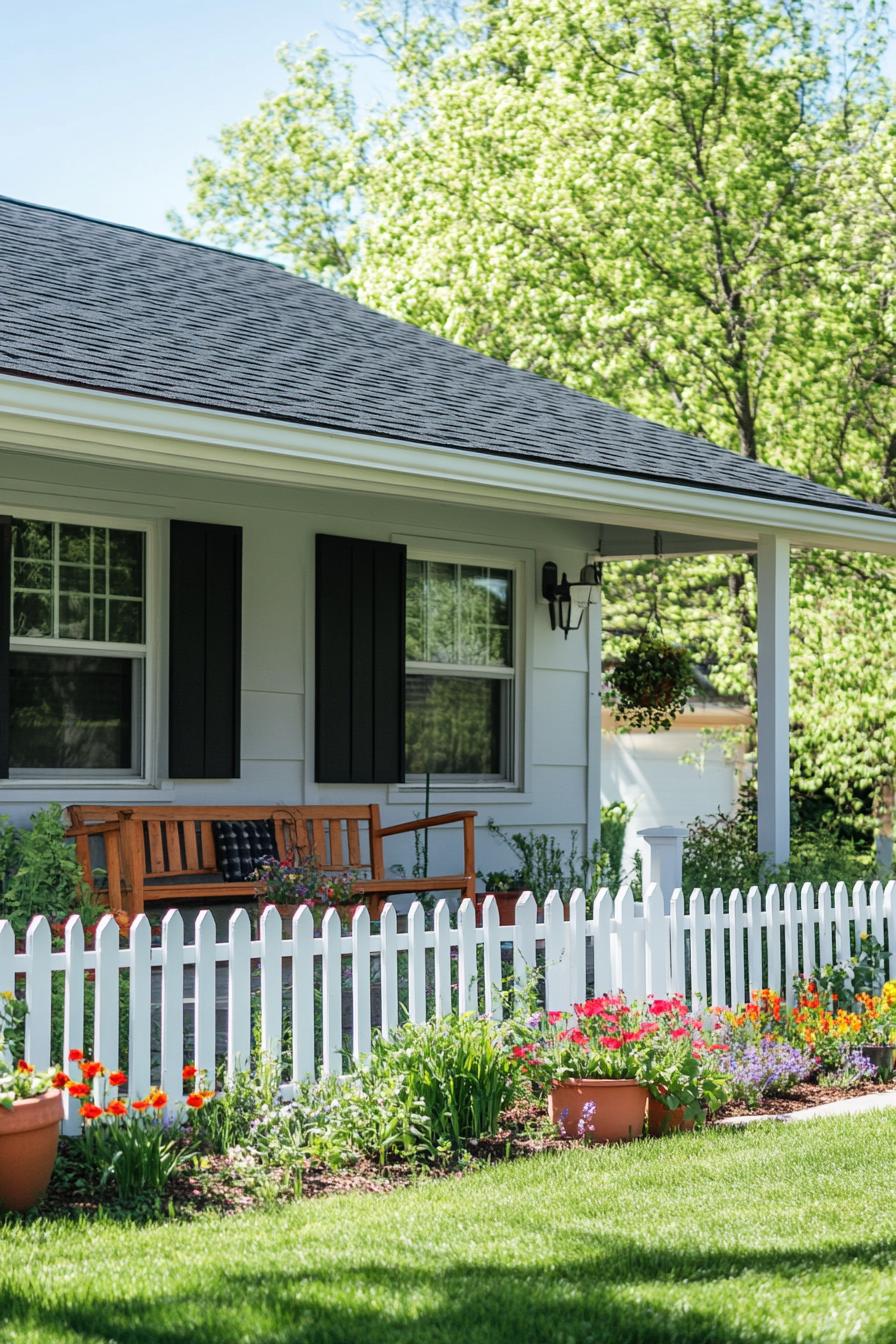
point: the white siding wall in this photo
(279, 526)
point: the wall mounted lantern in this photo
(568, 602)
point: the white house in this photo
(263, 544)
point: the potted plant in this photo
(506, 888)
(288, 884)
(593, 1064)
(30, 1113)
(650, 685)
(685, 1081)
(544, 866)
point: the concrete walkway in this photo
(872, 1101)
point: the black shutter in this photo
(205, 618)
(5, 597)
(359, 683)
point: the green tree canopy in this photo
(686, 209)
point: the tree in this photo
(683, 208)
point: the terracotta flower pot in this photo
(599, 1110)
(373, 904)
(29, 1137)
(662, 1120)
(506, 903)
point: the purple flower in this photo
(587, 1116)
(766, 1068)
(534, 1021)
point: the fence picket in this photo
(791, 940)
(753, 917)
(416, 963)
(205, 1000)
(860, 911)
(677, 978)
(467, 979)
(172, 1057)
(106, 1003)
(360, 984)
(524, 945)
(624, 940)
(773, 937)
(442, 941)
(808, 922)
(7, 971)
(270, 930)
(843, 948)
(37, 993)
(576, 946)
(889, 907)
(717, 948)
(388, 971)
(239, 1022)
(825, 918)
(331, 956)
(656, 942)
(491, 959)
(736, 947)
(602, 942)
(72, 1011)
(303, 994)
(556, 982)
(876, 911)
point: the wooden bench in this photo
(167, 854)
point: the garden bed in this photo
(799, 1098)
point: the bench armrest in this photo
(424, 822)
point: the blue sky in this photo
(104, 105)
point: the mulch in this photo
(801, 1096)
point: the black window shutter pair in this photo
(360, 657)
(204, 651)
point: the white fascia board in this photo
(110, 427)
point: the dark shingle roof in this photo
(116, 309)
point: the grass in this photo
(772, 1233)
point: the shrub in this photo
(40, 872)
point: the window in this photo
(77, 649)
(460, 686)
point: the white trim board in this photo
(111, 427)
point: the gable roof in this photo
(117, 309)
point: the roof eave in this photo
(58, 418)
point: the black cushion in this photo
(241, 845)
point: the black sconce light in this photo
(566, 600)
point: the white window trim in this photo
(468, 788)
(33, 784)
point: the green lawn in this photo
(783, 1233)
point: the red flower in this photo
(679, 1031)
(611, 1042)
(92, 1068)
(555, 1017)
(24, 1067)
(196, 1100)
(575, 1036)
(91, 1112)
(632, 1035)
(158, 1099)
(189, 1072)
(140, 1105)
(61, 1079)
(521, 1051)
(662, 1006)
(75, 1055)
(117, 1108)
(717, 1045)
(117, 1079)
(79, 1090)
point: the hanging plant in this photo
(651, 683)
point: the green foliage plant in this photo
(544, 865)
(650, 684)
(41, 873)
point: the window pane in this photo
(32, 615)
(459, 614)
(74, 616)
(74, 578)
(32, 574)
(456, 725)
(125, 622)
(32, 539)
(415, 632)
(71, 712)
(74, 543)
(441, 612)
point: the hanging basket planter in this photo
(650, 685)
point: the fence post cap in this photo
(662, 832)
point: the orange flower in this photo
(117, 1108)
(158, 1099)
(207, 1095)
(92, 1068)
(75, 1055)
(79, 1090)
(140, 1105)
(91, 1112)
(117, 1079)
(196, 1100)
(24, 1067)
(189, 1072)
(61, 1079)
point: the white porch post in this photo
(773, 693)
(594, 636)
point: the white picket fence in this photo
(324, 992)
